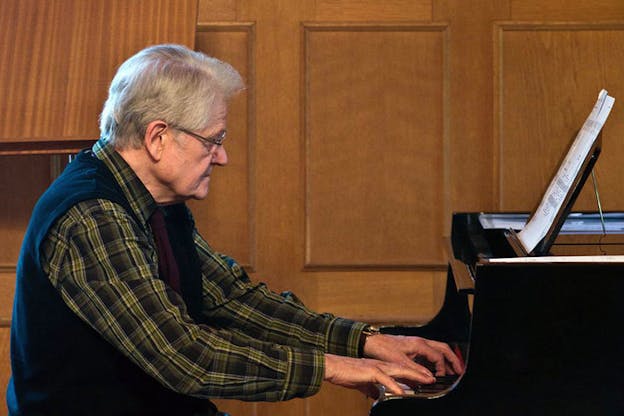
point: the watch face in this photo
(371, 330)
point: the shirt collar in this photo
(134, 190)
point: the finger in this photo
(389, 383)
(436, 360)
(424, 371)
(449, 370)
(456, 363)
(412, 373)
(448, 356)
(429, 353)
(441, 366)
(461, 366)
(416, 364)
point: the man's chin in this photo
(200, 195)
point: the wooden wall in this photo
(365, 124)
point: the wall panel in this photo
(386, 297)
(372, 10)
(374, 144)
(5, 364)
(226, 217)
(565, 10)
(58, 57)
(216, 10)
(549, 76)
(469, 152)
(7, 288)
(24, 179)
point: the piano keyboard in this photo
(441, 385)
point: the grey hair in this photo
(165, 82)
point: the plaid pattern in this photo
(251, 343)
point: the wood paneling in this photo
(5, 365)
(24, 179)
(58, 57)
(216, 10)
(374, 145)
(565, 10)
(236, 407)
(7, 288)
(549, 76)
(365, 124)
(372, 10)
(225, 219)
(468, 155)
(384, 297)
(350, 402)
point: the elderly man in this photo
(122, 308)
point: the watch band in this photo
(368, 331)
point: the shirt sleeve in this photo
(231, 300)
(105, 267)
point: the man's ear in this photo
(153, 140)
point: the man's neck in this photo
(146, 170)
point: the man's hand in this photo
(402, 350)
(365, 374)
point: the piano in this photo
(542, 336)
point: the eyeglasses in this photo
(215, 140)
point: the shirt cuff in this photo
(306, 369)
(343, 337)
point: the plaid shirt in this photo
(251, 343)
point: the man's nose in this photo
(220, 156)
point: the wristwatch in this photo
(368, 331)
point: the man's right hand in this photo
(365, 374)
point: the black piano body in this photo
(543, 337)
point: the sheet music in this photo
(552, 200)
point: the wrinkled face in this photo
(189, 160)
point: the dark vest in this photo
(60, 365)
